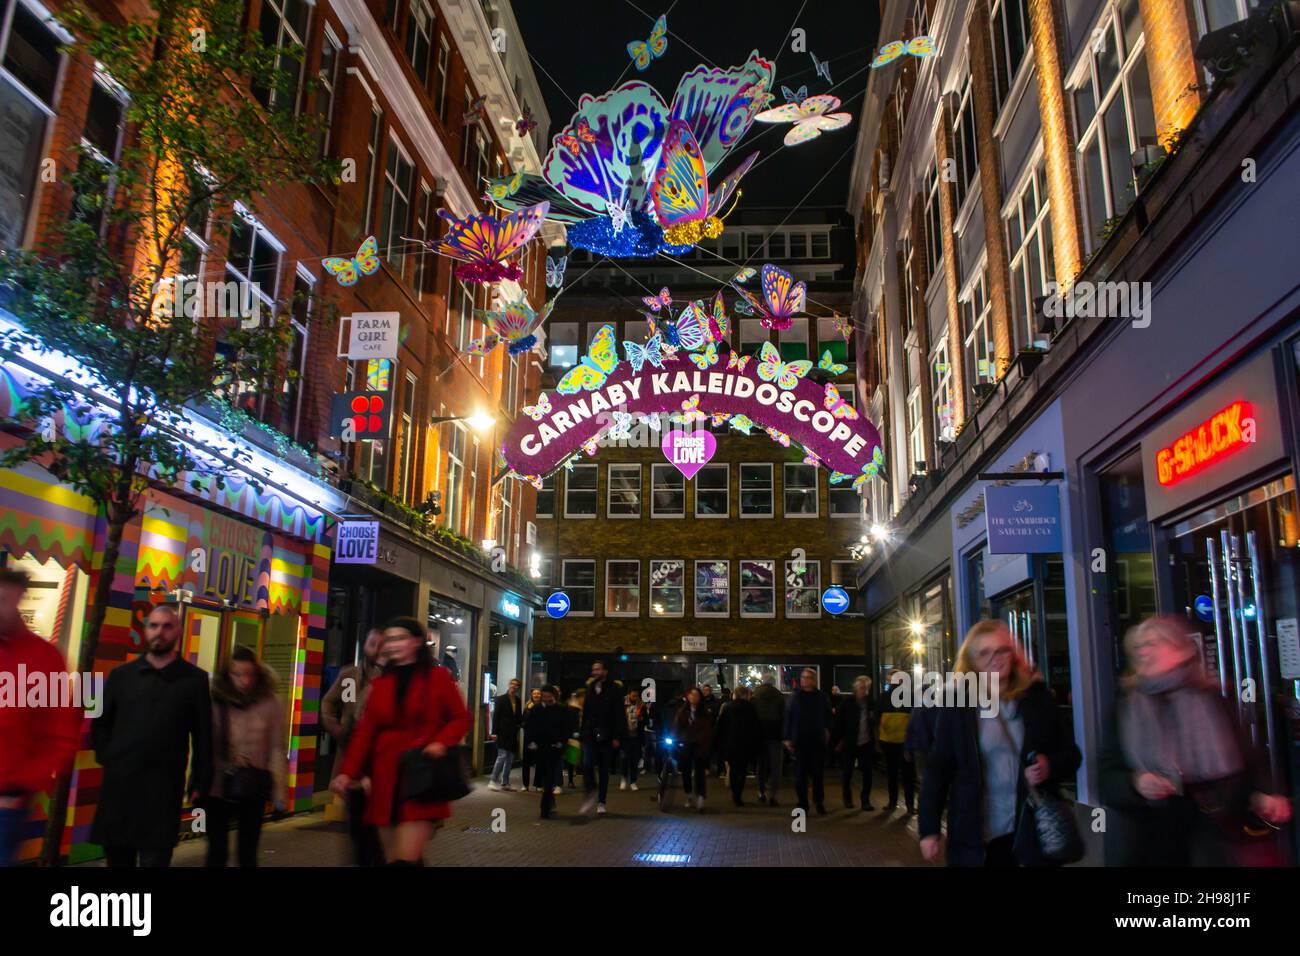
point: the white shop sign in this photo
(369, 335)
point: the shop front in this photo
(1203, 521)
(508, 651)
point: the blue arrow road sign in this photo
(557, 605)
(1204, 607)
(835, 600)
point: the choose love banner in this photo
(797, 408)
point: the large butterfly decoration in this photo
(782, 300)
(823, 67)
(680, 190)
(515, 325)
(596, 366)
(810, 118)
(838, 406)
(638, 355)
(482, 243)
(828, 364)
(718, 326)
(645, 52)
(348, 270)
(498, 191)
(663, 300)
(555, 271)
(771, 368)
(920, 47)
(688, 332)
(540, 410)
(795, 96)
(525, 124)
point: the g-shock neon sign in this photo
(1213, 440)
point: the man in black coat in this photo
(156, 710)
(807, 733)
(604, 724)
(546, 731)
(738, 740)
(507, 718)
(855, 739)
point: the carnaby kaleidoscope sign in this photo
(602, 395)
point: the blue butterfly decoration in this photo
(555, 271)
(638, 355)
(823, 67)
(794, 96)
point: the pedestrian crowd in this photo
(1181, 784)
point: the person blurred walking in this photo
(507, 720)
(769, 707)
(414, 705)
(637, 715)
(37, 744)
(1176, 775)
(854, 737)
(528, 758)
(157, 711)
(693, 736)
(339, 710)
(546, 731)
(893, 733)
(982, 765)
(250, 765)
(737, 739)
(604, 724)
(572, 759)
(807, 733)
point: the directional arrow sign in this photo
(557, 605)
(835, 600)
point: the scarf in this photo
(1174, 726)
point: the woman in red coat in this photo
(413, 704)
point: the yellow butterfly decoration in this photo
(504, 190)
(643, 52)
(737, 362)
(595, 367)
(364, 263)
(705, 359)
(786, 374)
(742, 423)
(828, 364)
(780, 437)
(690, 412)
(838, 406)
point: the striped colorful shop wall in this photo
(307, 685)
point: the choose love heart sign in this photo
(689, 451)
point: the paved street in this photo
(721, 836)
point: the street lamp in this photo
(479, 421)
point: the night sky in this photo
(582, 45)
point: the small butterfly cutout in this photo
(742, 423)
(525, 124)
(811, 459)
(645, 52)
(828, 364)
(349, 270)
(617, 215)
(823, 67)
(737, 362)
(690, 411)
(540, 410)
(555, 271)
(780, 437)
(707, 358)
(795, 96)
(663, 300)
(837, 406)
(474, 112)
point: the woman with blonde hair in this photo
(984, 762)
(1181, 782)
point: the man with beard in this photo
(339, 711)
(156, 710)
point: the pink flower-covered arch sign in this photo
(757, 391)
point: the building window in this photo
(800, 490)
(283, 27)
(830, 340)
(820, 245)
(467, 132)
(933, 223)
(395, 214)
(512, 385)
(407, 453)
(803, 590)
(580, 491)
(1033, 267)
(667, 492)
(915, 433)
(471, 509)
(945, 428)
(668, 588)
(756, 490)
(507, 521)
(965, 151)
(752, 335)
(578, 581)
(622, 588)
(444, 63)
(253, 255)
(910, 286)
(977, 351)
(776, 245)
(1010, 35)
(30, 61)
(546, 497)
(712, 489)
(844, 574)
(758, 589)
(713, 588)
(562, 344)
(798, 245)
(1115, 116)
(920, 18)
(327, 83)
(419, 32)
(452, 509)
(296, 368)
(372, 157)
(1215, 14)
(625, 491)
(100, 142)
(794, 341)
(463, 296)
(844, 501)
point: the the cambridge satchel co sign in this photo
(602, 395)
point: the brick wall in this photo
(1170, 27)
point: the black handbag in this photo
(1046, 831)
(433, 779)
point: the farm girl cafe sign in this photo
(601, 397)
